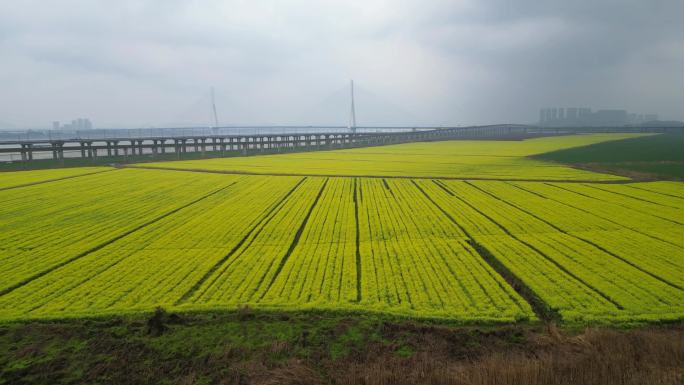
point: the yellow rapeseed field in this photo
(489, 159)
(129, 240)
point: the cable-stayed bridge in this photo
(116, 145)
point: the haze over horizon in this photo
(151, 63)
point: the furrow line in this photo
(358, 241)
(106, 243)
(542, 254)
(600, 200)
(188, 294)
(294, 242)
(630, 196)
(655, 192)
(599, 216)
(540, 308)
(583, 240)
(54, 180)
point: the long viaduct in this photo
(224, 144)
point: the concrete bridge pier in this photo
(60, 152)
(177, 148)
(26, 152)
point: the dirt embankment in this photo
(252, 348)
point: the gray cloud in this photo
(132, 63)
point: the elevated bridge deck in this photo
(227, 143)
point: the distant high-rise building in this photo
(78, 124)
(571, 113)
(544, 115)
(650, 117)
(609, 118)
(561, 113)
(55, 125)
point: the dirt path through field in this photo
(238, 172)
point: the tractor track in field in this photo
(241, 172)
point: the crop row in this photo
(581, 266)
(23, 178)
(159, 264)
(46, 225)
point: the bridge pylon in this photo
(352, 112)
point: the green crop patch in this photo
(655, 156)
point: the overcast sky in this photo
(131, 63)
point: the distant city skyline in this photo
(584, 116)
(76, 124)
